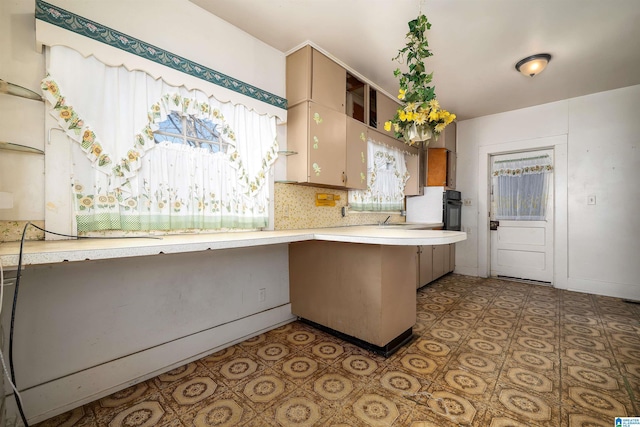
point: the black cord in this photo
(17, 287)
(95, 237)
(13, 318)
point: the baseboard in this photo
(617, 290)
(466, 271)
(53, 398)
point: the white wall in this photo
(87, 329)
(602, 133)
(21, 120)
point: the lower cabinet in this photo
(434, 261)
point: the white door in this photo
(522, 248)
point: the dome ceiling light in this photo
(534, 64)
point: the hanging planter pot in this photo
(418, 134)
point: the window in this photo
(520, 188)
(190, 130)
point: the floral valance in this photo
(524, 166)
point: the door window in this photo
(521, 187)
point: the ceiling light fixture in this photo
(534, 64)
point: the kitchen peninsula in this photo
(95, 316)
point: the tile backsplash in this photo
(295, 208)
(11, 231)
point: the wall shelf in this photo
(9, 146)
(16, 90)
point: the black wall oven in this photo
(452, 210)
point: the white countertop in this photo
(56, 251)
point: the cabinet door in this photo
(412, 187)
(437, 167)
(356, 161)
(385, 110)
(452, 257)
(299, 76)
(451, 169)
(328, 82)
(426, 265)
(327, 151)
(438, 261)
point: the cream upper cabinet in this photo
(318, 135)
(312, 76)
(356, 155)
(412, 187)
(385, 110)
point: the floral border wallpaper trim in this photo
(69, 21)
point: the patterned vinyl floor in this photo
(487, 353)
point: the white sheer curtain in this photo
(386, 177)
(124, 180)
(520, 188)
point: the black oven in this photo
(452, 210)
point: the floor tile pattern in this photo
(486, 352)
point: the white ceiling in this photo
(595, 44)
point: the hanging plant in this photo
(420, 116)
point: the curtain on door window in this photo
(386, 177)
(520, 188)
(131, 171)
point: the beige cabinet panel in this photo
(299, 76)
(452, 257)
(311, 76)
(329, 82)
(364, 291)
(412, 187)
(327, 151)
(426, 265)
(356, 161)
(317, 134)
(452, 159)
(438, 269)
(386, 109)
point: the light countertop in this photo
(56, 251)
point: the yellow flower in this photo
(387, 126)
(96, 149)
(402, 115)
(396, 127)
(440, 127)
(410, 107)
(65, 113)
(434, 104)
(420, 117)
(433, 115)
(410, 115)
(452, 117)
(401, 93)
